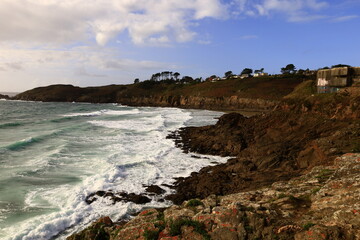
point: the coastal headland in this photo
(294, 171)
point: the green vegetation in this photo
(356, 147)
(151, 234)
(194, 203)
(159, 224)
(282, 195)
(154, 234)
(247, 71)
(315, 190)
(303, 90)
(265, 87)
(308, 225)
(324, 175)
(175, 227)
(289, 69)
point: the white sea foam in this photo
(144, 124)
(102, 112)
(124, 155)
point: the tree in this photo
(301, 71)
(176, 75)
(340, 65)
(187, 79)
(136, 80)
(261, 70)
(228, 74)
(247, 71)
(289, 69)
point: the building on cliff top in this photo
(261, 74)
(331, 80)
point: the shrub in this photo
(308, 225)
(175, 227)
(194, 203)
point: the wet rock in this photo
(155, 189)
(135, 198)
(117, 197)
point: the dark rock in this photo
(117, 197)
(4, 96)
(155, 189)
(266, 148)
(135, 198)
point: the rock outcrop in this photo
(211, 103)
(233, 94)
(4, 96)
(321, 204)
(266, 148)
(285, 180)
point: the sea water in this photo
(53, 155)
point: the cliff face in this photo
(210, 103)
(232, 94)
(116, 94)
(285, 180)
(266, 148)
(4, 96)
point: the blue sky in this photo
(101, 42)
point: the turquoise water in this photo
(52, 155)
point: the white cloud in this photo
(81, 71)
(247, 37)
(67, 21)
(24, 68)
(294, 10)
(345, 18)
(11, 66)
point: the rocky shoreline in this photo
(292, 176)
(321, 204)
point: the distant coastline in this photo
(10, 94)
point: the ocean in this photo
(53, 155)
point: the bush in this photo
(308, 225)
(175, 227)
(194, 203)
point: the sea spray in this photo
(56, 154)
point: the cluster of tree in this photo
(336, 66)
(173, 77)
(289, 69)
(247, 71)
(170, 77)
(166, 75)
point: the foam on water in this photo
(144, 124)
(120, 149)
(102, 112)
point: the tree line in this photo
(174, 77)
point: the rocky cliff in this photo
(232, 94)
(211, 103)
(4, 96)
(321, 204)
(268, 147)
(294, 175)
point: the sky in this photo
(103, 42)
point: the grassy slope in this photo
(270, 88)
